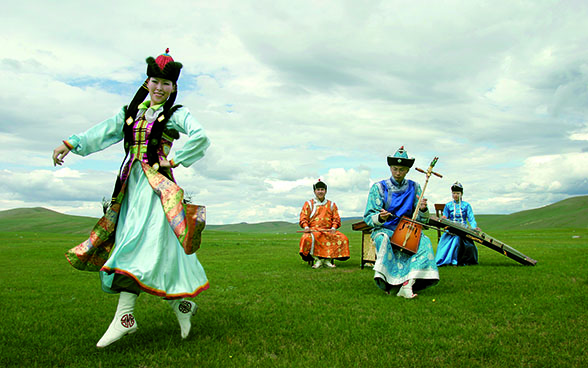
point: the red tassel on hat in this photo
(163, 59)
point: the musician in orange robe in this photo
(321, 242)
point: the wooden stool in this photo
(368, 249)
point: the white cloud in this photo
(283, 186)
(66, 173)
(580, 134)
(290, 94)
(556, 173)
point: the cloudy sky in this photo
(293, 91)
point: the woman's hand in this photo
(59, 154)
(165, 163)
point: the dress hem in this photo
(419, 275)
(154, 291)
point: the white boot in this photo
(406, 290)
(184, 310)
(317, 262)
(123, 322)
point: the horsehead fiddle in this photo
(407, 234)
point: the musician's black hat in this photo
(457, 187)
(400, 158)
(319, 184)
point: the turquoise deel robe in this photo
(453, 249)
(394, 267)
(146, 248)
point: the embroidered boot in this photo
(184, 310)
(123, 322)
(406, 290)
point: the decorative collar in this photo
(319, 203)
(151, 112)
(145, 105)
(397, 184)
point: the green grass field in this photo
(267, 308)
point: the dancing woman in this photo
(143, 243)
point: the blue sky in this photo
(289, 94)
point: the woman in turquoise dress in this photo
(452, 249)
(146, 240)
(388, 201)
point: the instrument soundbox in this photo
(407, 235)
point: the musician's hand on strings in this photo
(384, 215)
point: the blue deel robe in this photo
(452, 249)
(393, 267)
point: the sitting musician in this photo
(452, 249)
(389, 200)
(321, 242)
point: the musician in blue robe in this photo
(388, 201)
(452, 249)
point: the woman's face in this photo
(159, 90)
(456, 196)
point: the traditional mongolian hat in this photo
(319, 184)
(400, 158)
(457, 187)
(164, 67)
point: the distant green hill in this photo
(274, 227)
(42, 220)
(570, 213)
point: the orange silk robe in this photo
(322, 244)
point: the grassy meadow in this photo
(267, 308)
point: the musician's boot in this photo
(123, 322)
(330, 263)
(317, 262)
(184, 310)
(406, 290)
